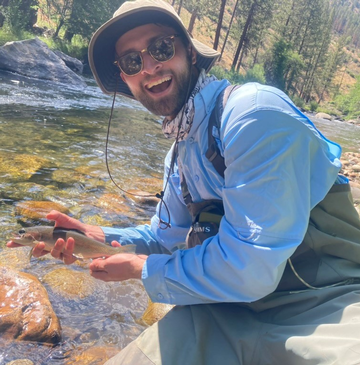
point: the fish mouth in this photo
(160, 85)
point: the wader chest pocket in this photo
(205, 225)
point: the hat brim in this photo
(102, 46)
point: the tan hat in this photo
(131, 15)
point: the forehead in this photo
(139, 38)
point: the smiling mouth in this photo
(159, 85)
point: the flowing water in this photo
(52, 149)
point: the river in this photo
(52, 149)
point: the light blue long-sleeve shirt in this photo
(278, 167)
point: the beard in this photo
(171, 104)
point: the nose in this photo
(150, 65)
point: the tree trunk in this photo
(243, 35)
(228, 31)
(180, 6)
(59, 26)
(68, 36)
(219, 25)
(192, 21)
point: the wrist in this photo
(95, 232)
(138, 264)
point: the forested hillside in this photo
(308, 48)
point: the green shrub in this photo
(313, 105)
(76, 48)
(298, 101)
(20, 15)
(255, 74)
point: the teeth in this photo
(158, 82)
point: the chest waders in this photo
(329, 254)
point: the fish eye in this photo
(22, 231)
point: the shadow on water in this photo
(52, 149)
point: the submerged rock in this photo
(93, 356)
(20, 166)
(26, 312)
(33, 58)
(113, 203)
(154, 312)
(38, 210)
(15, 258)
(20, 362)
(70, 284)
(143, 197)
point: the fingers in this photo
(115, 244)
(97, 265)
(100, 275)
(97, 270)
(63, 220)
(39, 250)
(64, 250)
(12, 244)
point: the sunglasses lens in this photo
(131, 63)
(163, 49)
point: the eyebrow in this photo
(151, 40)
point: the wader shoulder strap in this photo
(213, 153)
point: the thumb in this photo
(63, 220)
(115, 244)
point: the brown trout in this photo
(85, 247)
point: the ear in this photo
(123, 77)
(192, 52)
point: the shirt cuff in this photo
(153, 278)
(111, 234)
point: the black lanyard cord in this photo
(157, 195)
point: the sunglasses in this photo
(161, 50)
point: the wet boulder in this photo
(33, 58)
(26, 312)
(323, 116)
(71, 62)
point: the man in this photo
(262, 260)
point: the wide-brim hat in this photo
(131, 15)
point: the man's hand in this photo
(64, 221)
(118, 267)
